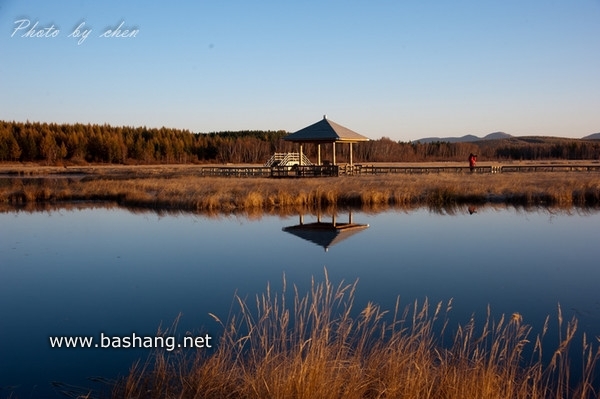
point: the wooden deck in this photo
(352, 170)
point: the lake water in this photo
(89, 271)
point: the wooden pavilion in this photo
(323, 132)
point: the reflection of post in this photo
(333, 219)
(301, 219)
(350, 217)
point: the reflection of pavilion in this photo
(325, 234)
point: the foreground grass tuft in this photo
(317, 346)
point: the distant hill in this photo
(497, 136)
(469, 138)
(595, 136)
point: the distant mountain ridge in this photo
(595, 136)
(469, 138)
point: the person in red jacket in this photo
(472, 161)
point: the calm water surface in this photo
(91, 271)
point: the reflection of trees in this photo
(472, 209)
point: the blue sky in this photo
(399, 69)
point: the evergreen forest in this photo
(68, 144)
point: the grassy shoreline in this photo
(172, 187)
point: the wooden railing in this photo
(287, 159)
(242, 171)
(353, 170)
(305, 171)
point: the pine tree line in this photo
(87, 143)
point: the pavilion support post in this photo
(318, 154)
(350, 154)
(300, 160)
(333, 145)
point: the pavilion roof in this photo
(327, 131)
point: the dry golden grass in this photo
(317, 346)
(181, 189)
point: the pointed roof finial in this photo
(324, 116)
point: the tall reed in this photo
(315, 345)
